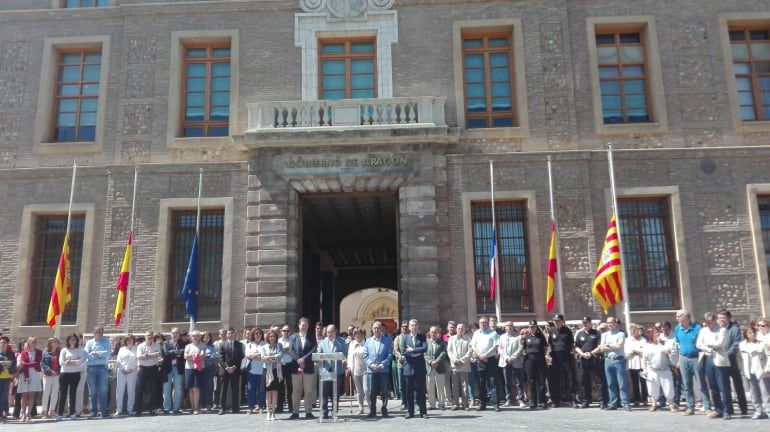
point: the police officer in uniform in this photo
(535, 347)
(591, 365)
(562, 358)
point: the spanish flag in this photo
(61, 294)
(607, 281)
(552, 269)
(125, 270)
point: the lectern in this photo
(326, 365)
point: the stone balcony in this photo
(347, 121)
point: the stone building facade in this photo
(320, 198)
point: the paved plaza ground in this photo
(509, 419)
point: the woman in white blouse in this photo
(194, 353)
(357, 367)
(633, 349)
(255, 389)
(127, 365)
(754, 367)
(71, 359)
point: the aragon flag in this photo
(61, 294)
(125, 269)
(607, 281)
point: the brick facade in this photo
(713, 164)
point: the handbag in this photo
(245, 365)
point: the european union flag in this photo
(190, 288)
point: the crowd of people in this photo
(707, 366)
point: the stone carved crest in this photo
(344, 9)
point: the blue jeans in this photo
(688, 368)
(254, 393)
(615, 369)
(509, 382)
(518, 376)
(97, 379)
(174, 379)
(703, 381)
(714, 378)
(4, 386)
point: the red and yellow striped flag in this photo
(61, 294)
(120, 305)
(607, 281)
(549, 293)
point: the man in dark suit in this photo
(436, 364)
(231, 353)
(413, 346)
(378, 353)
(303, 381)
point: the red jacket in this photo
(25, 364)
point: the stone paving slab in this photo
(509, 419)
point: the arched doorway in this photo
(365, 306)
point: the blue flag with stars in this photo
(190, 288)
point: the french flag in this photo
(493, 266)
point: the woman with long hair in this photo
(71, 359)
(127, 368)
(207, 383)
(272, 353)
(30, 382)
(50, 366)
(754, 366)
(255, 393)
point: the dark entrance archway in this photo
(349, 241)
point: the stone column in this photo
(271, 248)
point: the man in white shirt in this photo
(484, 344)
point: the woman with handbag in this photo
(30, 382)
(272, 353)
(193, 369)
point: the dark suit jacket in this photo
(299, 351)
(436, 352)
(232, 357)
(173, 351)
(414, 363)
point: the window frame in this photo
(180, 39)
(63, 4)
(726, 22)
(165, 248)
(489, 115)
(347, 56)
(40, 295)
(753, 76)
(44, 115)
(512, 26)
(209, 60)
(181, 257)
(643, 240)
(21, 323)
(80, 95)
(656, 102)
(620, 78)
(755, 192)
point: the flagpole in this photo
(57, 331)
(197, 226)
(494, 232)
(623, 280)
(127, 312)
(559, 289)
